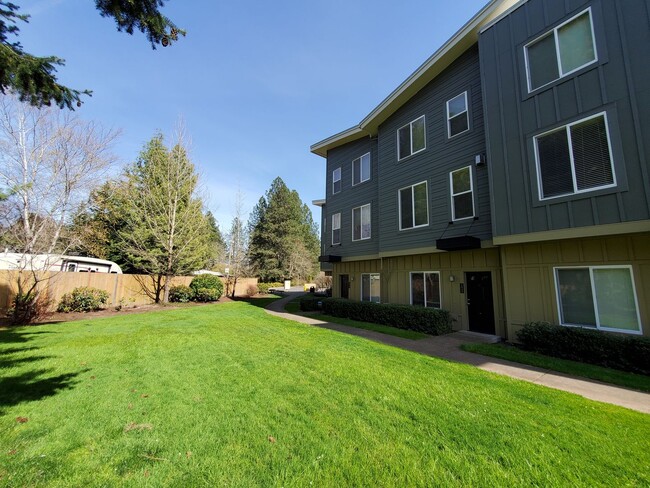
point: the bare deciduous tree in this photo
(237, 244)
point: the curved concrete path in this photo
(448, 347)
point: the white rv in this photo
(56, 262)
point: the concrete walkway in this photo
(448, 347)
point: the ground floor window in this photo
(602, 297)
(425, 289)
(370, 287)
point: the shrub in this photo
(83, 299)
(420, 319)
(28, 307)
(627, 353)
(206, 295)
(208, 281)
(251, 291)
(181, 294)
(264, 287)
(310, 304)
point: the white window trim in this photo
(370, 290)
(399, 205)
(471, 190)
(449, 136)
(361, 173)
(425, 286)
(595, 303)
(336, 228)
(567, 128)
(554, 33)
(334, 180)
(410, 125)
(361, 238)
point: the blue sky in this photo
(255, 82)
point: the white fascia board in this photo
(348, 135)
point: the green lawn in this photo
(606, 375)
(228, 395)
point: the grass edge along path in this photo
(573, 368)
(228, 395)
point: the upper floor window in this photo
(457, 115)
(370, 287)
(413, 206)
(361, 169)
(411, 138)
(563, 50)
(462, 193)
(336, 180)
(336, 229)
(574, 158)
(361, 223)
(602, 297)
(425, 289)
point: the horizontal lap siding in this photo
(618, 83)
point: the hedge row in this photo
(264, 287)
(203, 288)
(427, 320)
(624, 352)
(310, 304)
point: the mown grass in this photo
(606, 375)
(227, 395)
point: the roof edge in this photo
(348, 135)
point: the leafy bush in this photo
(28, 307)
(181, 294)
(83, 299)
(420, 319)
(207, 295)
(310, 304)
(627, 353)
(264, 287)
(208, 281)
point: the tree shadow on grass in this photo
(31, 382)
(257, 302)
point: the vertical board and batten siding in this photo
(433, 165)
(351, 197)
(618, 83)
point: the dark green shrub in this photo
(310, 304)
(206, 295)
(420, 319)
(181, 294)
(624, 352)
(264, 287)
(83, 299)
(209, 281)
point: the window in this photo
(462, 193)
(361, 169)
(361, 223)
(413, 206)
(336, 180)
(602, 297)
(457, 115)
(425, 289)
(565, 49)
(411, 139)
(574, 158)
(336, 229)
(370, 287)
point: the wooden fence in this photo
(123, 289)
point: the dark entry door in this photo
(345, 286)
(480, 308)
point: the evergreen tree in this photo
(33, 78)
(217, 242)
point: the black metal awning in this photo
(458, 243)
(329, 259)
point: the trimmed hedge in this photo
(420, 319)
(207, 281)
(181, 294)
(310, 304)
(206, 295)
(83, 299)
(264, 287)
(624, 352)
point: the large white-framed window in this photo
(361, 169)
(601, 297)
(462, 193)
(361, 223)
(336, 229)
(413, 206)
(457, 115)
(336, 181)
(561, 51)
(575, 158)
(425, 288)
(411, 138)
(370, 287)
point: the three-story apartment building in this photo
(507, 179)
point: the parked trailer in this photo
(57, 262)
